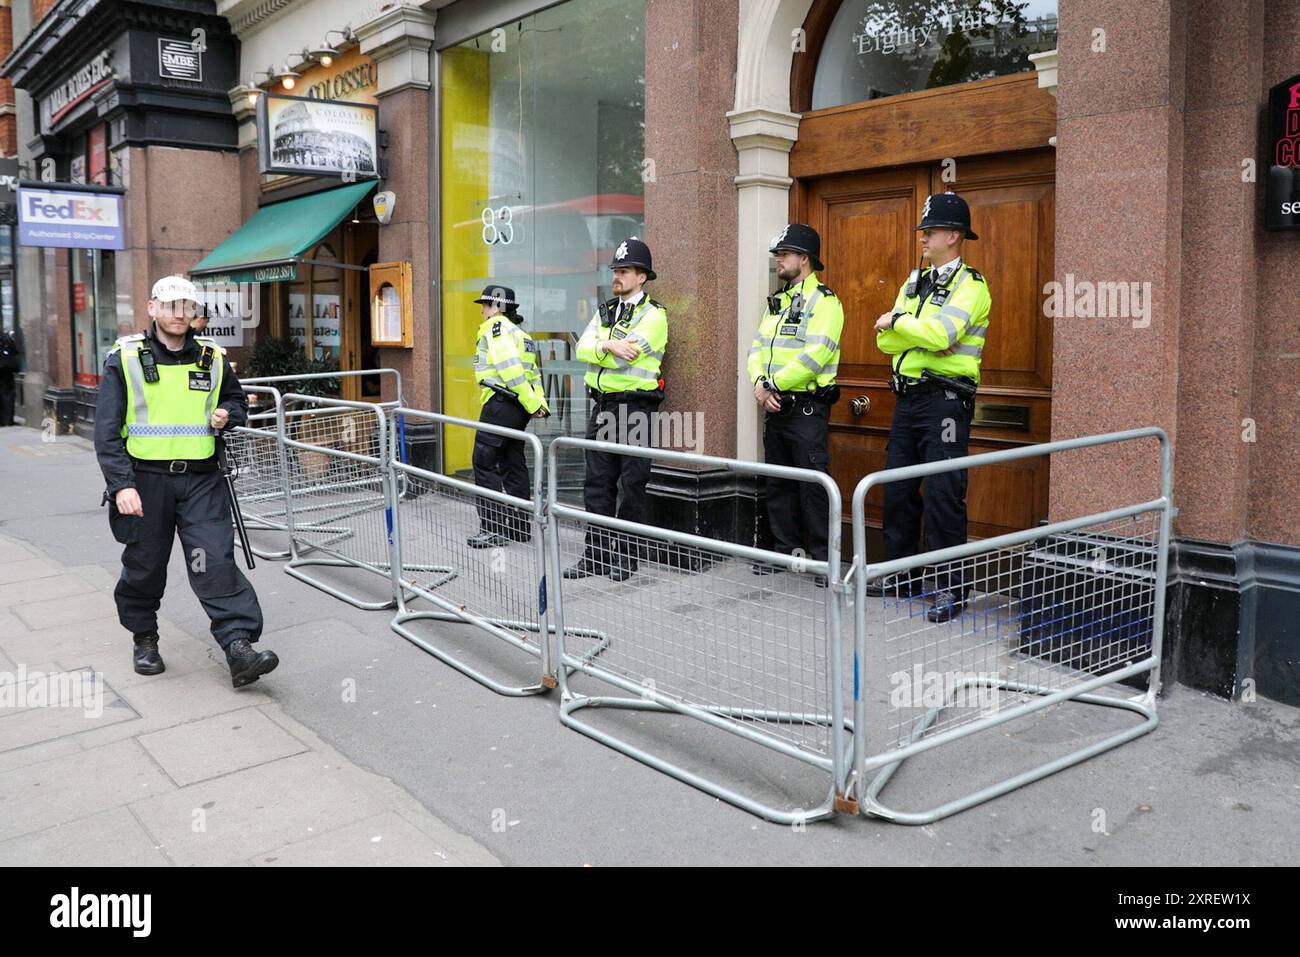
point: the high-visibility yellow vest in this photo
(506, 360)
(955, 318)
(169, 419)
(797, 347)
(647, 326)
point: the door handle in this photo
(860, 405)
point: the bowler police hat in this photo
(799, 238)
(946, 211)
(632, 253)
(495, 295)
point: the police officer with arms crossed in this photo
(792, 364)
(936, 333)
(506, 367)
(623, 347)
(163, 396)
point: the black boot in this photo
(247, 665)
(585, 568)
(486, 540)
(147, 659)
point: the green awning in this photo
(268, 247)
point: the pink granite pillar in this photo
(1120, 173)
(690, 52)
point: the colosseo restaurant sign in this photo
(1282, 197)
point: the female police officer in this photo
(506, 368)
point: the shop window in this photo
(543, 139)
(313, 307)
(878, 48)
(94, 312)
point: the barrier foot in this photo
(871, 806)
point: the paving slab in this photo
(111, 838)
(228, 742)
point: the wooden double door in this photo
(867, 222)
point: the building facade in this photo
(1112, 154)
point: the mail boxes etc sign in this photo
(1282, 198)
(76, 220)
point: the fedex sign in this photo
(76, 220)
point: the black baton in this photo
(223, 461)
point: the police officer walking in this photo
(792, 363)
(164, 396)
(936, 333)
(623, 347)
(507, 370)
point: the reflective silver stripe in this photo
(756, 349)
(637, 372)
(976, 332)
(211, 402)
(517, 380)
(810, 303)
(951, 310)
(135, 372)
(968, 350)
(787, 343)
(809, 362)
(168, 430)
(826, 341)
(831, 368)
(644, 346)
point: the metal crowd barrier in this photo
(1055, 615)
(259, 469)
(695, 633)
(264, 507)
(338, 465)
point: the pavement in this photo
(364, 749)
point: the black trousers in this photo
(7, 394)
(193, 505)
(499, 465)
(628, 422)
(928, 427)
(797, 436)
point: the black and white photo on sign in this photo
(321, 136)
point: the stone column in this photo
(763, 141)
(400, 40)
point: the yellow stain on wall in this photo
(465, 159)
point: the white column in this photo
(399, 38)
(763, 139)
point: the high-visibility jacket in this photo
(647, 326)
(954, 317)
(797, 347)
(169, 419)
(506, 361)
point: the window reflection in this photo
(878, 48)
(543, 139)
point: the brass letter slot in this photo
(991, 416)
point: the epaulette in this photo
(826, 290)
(496, 328)
(122, 340)
(974, 274)
(658, 305)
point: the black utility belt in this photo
(826, 394)
(637, 395)
(174, 466)
(902, 385)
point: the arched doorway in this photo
(861, 171)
